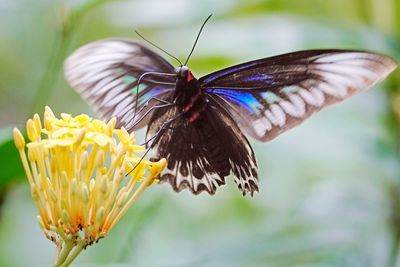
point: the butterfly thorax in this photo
(188, 94)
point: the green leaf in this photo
(10, 163)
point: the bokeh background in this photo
(329, 189)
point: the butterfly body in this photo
(200, 125)
(188, 95)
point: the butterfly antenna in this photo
(197, 38)
(153, 44)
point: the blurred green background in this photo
(329, 189)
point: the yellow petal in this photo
(82, 119)
(100, 139)
(123, 136)
(66, 116)
(64, 142)
(158, 167)
(59, 133)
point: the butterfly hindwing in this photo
(106, 73)
(269, 96)
(201, 154)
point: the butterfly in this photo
(200, 125)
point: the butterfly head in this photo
(184, 73)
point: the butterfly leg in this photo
(163, 127)
(140, 80)
(168, 104)
(145, 105)
(152, 138)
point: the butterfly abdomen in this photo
(190, 98)
(195, 111)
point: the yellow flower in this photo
(84, 175)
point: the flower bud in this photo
(18, 139)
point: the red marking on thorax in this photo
(190, 76)
(191, 102)
(193, 98)
(194, 117)
(188, 108)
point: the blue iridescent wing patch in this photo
(266, 97)
(106, 74)
(243, 99)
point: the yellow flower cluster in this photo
(77, 168)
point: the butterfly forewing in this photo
(106, 74)
(269, 96)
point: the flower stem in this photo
(69, 245)
(76, 251)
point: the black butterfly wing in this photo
(106, 73)
(269, 96)
(202, 153)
